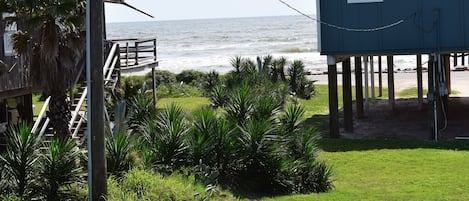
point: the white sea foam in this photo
(210, 44)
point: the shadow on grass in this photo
(321, 123)
(343, 145)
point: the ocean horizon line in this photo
(214, 18)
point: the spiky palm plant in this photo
(51, 42)
(21, 159)
(219, 97)
(240, 105)
(292, 118)
(60, 169)
(302, 170)
(209, 82)
(202, 136)
(166, 139)
(119, 144)
(142, 108)
(296, 72)
(260, 161)
(237, 62)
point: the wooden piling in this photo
(419, 82)
(372, 79)
(380, 77)
(359, 87)
(446, 62)
(333, 98)
(392, 100)
(347, 95)
(367, 89)
(432, 97)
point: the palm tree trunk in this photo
(60, 116)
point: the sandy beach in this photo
(405, 80)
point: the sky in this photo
(202, 9)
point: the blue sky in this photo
(197, 9)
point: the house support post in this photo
(463, 58)
(367, 89)
(432, 97)
(455, 59)
(28, 108)
(372, 79)
(359, 87)
(347, 95)
(380, 76)
(392, 100)
(447, 64)
(333, 98)
(419, 82)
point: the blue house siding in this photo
(417, 34)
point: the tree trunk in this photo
(60, 116)
(2, 35)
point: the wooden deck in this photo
(137, 55)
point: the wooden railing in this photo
(136, 52)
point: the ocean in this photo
(209, 44)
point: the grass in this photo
(190, 104)
(394, 170)
(412, 93)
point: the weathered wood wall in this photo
(14, 81)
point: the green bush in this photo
(60, 169)
(177, 91)
(145, 185)
(21, 160)
(161, 77)
(190, 77)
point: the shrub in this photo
(209, 82)
(60, 169)
(145, 185)
(166, 139)
(190, 76)
(177, 91)
(119, 145)
(21, 160)
(161, 77)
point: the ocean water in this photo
(209, 44)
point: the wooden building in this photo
(385, 28)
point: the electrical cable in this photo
(398, 22)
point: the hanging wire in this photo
(398, 22)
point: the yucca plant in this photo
(166, 139)
(119, 144)
(240, 105)
(266, 107)
(60, 169)
(302, 171)
(21, 159)
(260, 159)
(209, 82)
(292, 118)
(202, 136)
(219, 97)
(141, 108)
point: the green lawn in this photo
(189, 104)
(394, 170)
